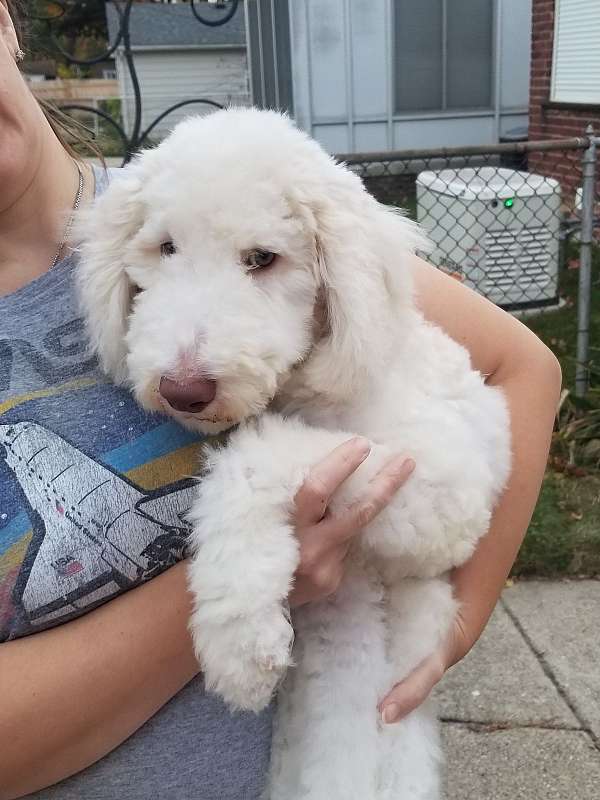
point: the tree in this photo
(84, 18)
(79, 26)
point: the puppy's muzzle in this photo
(190, 395)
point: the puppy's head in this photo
(203, 263)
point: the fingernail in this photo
(402, 463)
(363, 445)
(390, 713)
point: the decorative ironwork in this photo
(213, 23)
(133, 141)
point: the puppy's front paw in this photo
(267, 665)
(244, 660)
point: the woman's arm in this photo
(510, 356)
(71, 694)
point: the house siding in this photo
(167, 77)
(548, 120)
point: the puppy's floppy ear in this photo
(362, 250)
(105, 292)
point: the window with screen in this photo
(443, 54)
(576, 56)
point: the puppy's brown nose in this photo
(190, 394)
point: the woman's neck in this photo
(33, 226)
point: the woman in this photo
(110, 703)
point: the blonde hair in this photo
(66, 129)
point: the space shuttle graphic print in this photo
(94, 532)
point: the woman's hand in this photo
(325, 538)
(409, 693)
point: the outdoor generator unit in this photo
(495, 228)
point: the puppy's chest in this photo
(392, 414)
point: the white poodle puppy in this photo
(237, 275)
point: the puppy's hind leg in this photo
(420, 615)
(326, 743)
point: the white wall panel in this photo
(370, 136)
(369, 65)
(443, 133)
(334, 138)
(168, 77)
(328, 57)
(515, 58)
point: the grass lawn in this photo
(559, 328)
(564, 535)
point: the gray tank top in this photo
(76, 454)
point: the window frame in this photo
(445, 111)
(554, 100)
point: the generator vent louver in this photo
(512, 256)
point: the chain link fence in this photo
(507, 220)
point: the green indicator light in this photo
(509, 202)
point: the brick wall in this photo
(553, 122)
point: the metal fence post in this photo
(588, 163)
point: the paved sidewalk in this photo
(521, 714)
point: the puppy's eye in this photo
(258, 259)
(167, 249)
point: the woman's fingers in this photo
(325, 477)
(324, 539)
(318, 581)
(381, 490)
(413, 690)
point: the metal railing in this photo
(588, 203)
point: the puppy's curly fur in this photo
(220, 187)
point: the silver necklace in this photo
(67, 230)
